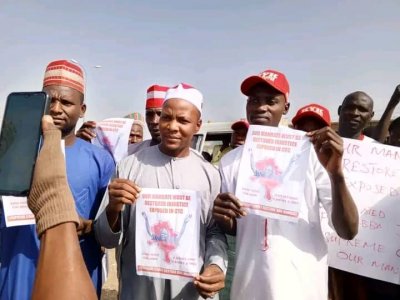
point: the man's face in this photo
(179, 121)
(309, 124)
(136, 135)
(355, 114)
(66, 107)
(152, 120)
(238, 137)
(265, 106)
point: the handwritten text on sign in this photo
(372, 175)
(273, 159)
(167, 223)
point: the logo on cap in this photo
(314, 109)
(269, 76)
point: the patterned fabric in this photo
(187, 93)
(137, 118)
(65, 73)
(155, 96)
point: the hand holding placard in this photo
(121, 192)
(210, 282)
(227, 208)
(329, 148)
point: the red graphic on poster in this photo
(267, 173)
(164, 235)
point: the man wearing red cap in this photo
(89, 169)
(311, 117)
(238, 137)
(172, 164)
(275, 259)
(155, 99)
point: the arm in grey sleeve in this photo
(102, 230)
(216, 251)
(216, 247)
(104, 235)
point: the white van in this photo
(213, 134)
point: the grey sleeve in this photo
(216, 247)
(104, 235)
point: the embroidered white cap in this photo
(186, 92)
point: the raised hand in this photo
(86, 131)
(329, 148)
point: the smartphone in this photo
(20, 140)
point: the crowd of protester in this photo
(89, 201)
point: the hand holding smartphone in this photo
(20, 141)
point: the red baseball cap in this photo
(242, 123)
(271, 77)
(313, 111)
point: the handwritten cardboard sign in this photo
(273, 160)
(113, 135)
(168, 233)
(373, 177)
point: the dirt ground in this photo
(110, 287)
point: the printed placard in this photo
(113, 135)
(168, 233)
(271, 174)
(17, 212)
(372, 175)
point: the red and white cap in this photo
(64, 73)
(155, 96)
(315, 111)
(242, 123)
(271, 77)
(186, 92)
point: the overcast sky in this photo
(327, 49)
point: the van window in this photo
(214, 142)
(197, 141)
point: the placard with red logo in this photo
(271, 174)
(168, 233)
(113, 135)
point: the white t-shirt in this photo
(278, 260)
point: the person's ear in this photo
(339, 110)
(287, 106)
(83, 110)
(198, 125)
